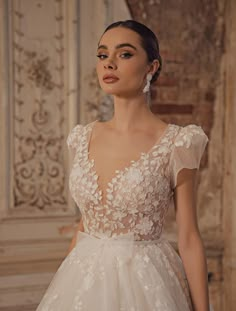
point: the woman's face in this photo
(122, 63)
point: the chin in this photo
(119, 92)
(111, 90)
(115, 93)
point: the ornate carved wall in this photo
(39, 94)
(47, 85)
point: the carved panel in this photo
(38, 111)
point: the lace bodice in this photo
(137, 198)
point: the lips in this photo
(110, 78)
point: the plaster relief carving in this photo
(38, 105)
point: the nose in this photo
(110, 64)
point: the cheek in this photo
(136, 74)
(136, 68)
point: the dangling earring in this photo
(147, 86)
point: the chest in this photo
(114, 182)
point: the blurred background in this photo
(48, 84)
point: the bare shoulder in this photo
(158, 125)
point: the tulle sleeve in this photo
(73, 137)
(189, 146)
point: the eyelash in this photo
(126, 54)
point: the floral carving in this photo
(39, 73)
(38, 80)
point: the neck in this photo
(130, 113)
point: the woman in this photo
(125, 174)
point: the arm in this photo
(190, 244)
(80, 227)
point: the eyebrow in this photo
(121, 45)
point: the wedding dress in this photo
(122, 262)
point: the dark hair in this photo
(149, 41)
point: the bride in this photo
(125, 175)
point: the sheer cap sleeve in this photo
(73, 137)
(188, 149)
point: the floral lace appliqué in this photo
(185, 136)
(138, 197)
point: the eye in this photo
(126, 55)
(102, 56)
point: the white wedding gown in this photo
(122, 262)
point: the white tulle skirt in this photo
(118, 274)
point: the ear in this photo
(154, 66)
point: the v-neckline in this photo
(103, 197)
